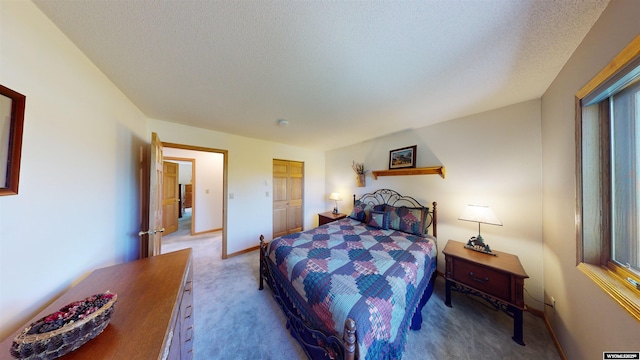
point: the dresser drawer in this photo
(487, 280)
(186, 313)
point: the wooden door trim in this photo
(155, 183)
(145, 186)
(225, 166)
(193, 183)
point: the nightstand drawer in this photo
(487, 280)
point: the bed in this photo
(352, 288)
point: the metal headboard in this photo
(393, 198)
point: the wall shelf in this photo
(431, 170)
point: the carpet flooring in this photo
(234, 320)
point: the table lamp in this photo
(335, 196)
(482, 215)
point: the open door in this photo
(151, 234)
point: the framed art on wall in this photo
(403, 158)
(11, 124)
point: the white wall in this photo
(586, 321)
(208, 187)
(78, 202)
(493, 158)
(185, 173)
(249, 179)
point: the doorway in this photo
(208, 203)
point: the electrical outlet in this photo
(553, 303)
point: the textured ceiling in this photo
(340, 72)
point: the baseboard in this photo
(553, 336)
(243, 251)
(205, 232)
(543, 315)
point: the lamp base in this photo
(335, 210)
(477, 244)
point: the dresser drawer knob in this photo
(478, 279)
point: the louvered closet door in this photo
(296, 179)
(288, 180)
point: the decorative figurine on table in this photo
(478, 244)
(335, 196)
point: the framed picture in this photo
(403, 158)
(11, 125)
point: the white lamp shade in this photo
(335, 196)
(480, 214)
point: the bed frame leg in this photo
(349, 339)
(262, 264)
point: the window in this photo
(608, 178)
(625, 135)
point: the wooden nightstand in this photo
(498, 279)
(327, 217)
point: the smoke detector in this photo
(282, 123)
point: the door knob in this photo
(151, 232)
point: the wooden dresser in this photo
(153, 318)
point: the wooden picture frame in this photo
(403, 158)
(11, 124)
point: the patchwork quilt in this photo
(346, 269)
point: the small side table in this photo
(498, 279)
(329, 216)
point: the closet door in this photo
(288, 180)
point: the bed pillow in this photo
(408, 219)
(379, 220)
(361, 211)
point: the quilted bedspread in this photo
(345, 269)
